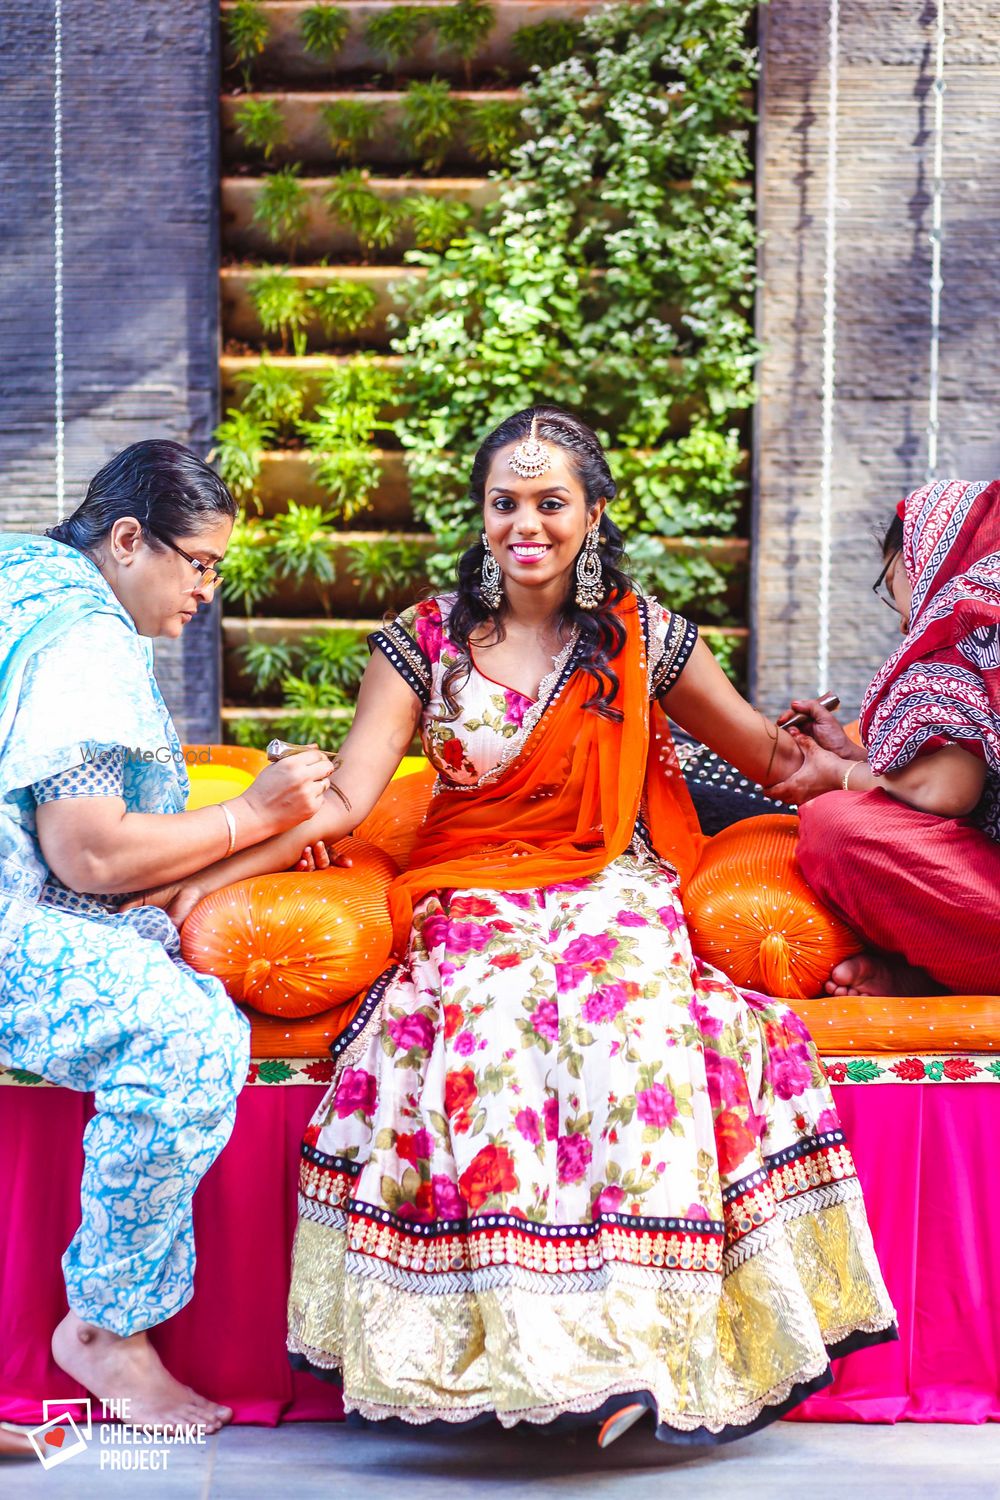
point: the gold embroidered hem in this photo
(713, 1350)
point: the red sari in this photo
(912, 883)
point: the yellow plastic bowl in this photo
(211, 784)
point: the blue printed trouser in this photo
(95, 1006)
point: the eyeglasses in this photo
(209, 577)
(881, 589)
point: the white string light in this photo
(829, 357)
(57, 231)
(933, 383)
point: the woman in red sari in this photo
(564, 1169)
(903, 839)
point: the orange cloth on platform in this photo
(566, 806)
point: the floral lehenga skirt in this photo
(562, 1163)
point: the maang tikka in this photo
(531, 458)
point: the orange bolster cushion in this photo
(751, 914)
(297, 944)
(394, 821)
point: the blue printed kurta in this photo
(90, 998)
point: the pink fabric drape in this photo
(924, 1153)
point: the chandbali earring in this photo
(589, 574)
(490, 586)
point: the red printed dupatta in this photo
(566, 805)
(942, 686)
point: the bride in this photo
(564, 1166)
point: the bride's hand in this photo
(821, 771)
(318, 857)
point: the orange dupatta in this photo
(566, 805)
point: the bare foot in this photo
(115, 1369)
(878, 974)
(14, 1443)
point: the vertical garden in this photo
(434, 214)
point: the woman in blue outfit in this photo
(92, 792)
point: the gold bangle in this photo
(231, 826)
(847, 777)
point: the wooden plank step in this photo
(308, 141)
(323, 233)
(286, 57)
(240, 319)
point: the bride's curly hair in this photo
(602, 635)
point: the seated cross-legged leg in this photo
(921, 891)
(100, 1009)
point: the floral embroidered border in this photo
(956, 1067)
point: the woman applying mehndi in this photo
(564, 1169)
(94, 998)
(906, 846)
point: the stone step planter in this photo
(288, 474)
(285, 56)
(307, 140)
(347, 595)
(311, 367)
(325, 235)
(240, 319)
(237, 633)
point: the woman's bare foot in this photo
(878, 974)
(116, 1369)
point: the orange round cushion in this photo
(395, 820)
(297, 944)
(751, 914)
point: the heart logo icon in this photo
(56, 1437)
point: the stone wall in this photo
(885, 127)
(140, 340)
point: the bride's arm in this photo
(385, 722)
(704, 703)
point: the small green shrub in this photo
(431, 116)
(341, 434)
(324, 30)
(249, 574)
(335, 657)
(350, 124)
(462, 28)
(260, 124)
(237, 444)
(272, 394)
(282, 208)
(301, 542)
(266, 662)
(434, 220)
(547, 43)
(393, 34)
(374, 220)
(247, 32)
(282, 306)
(385, 568)
(494, 130)
(342, 307)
